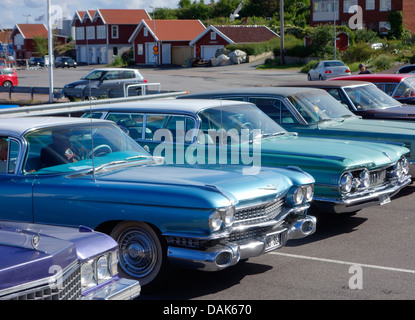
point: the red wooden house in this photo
(23, 36)
(164, 41)
(102, 34)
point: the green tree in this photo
(41, 45)
(395, 20)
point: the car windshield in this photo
(317, 106)
(243, 120)
(95, 75)
(369, 97)
(79, 147)
(406, 88)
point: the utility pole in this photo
(282, 59)
(50, 53)
(334, 26)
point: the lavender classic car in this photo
(71, 171)
(41, 262)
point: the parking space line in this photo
(342, 262)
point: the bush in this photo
(358, 53)
(308, 66)
(382, 62)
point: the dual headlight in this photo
(98, 270)
(222, 218)
(356, 181)
(401, 168)
(302, 194)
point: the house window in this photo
(213, 36)
(101, 32)
(80, 33)
(385, 5)
(18, 40)
(140, 50)
(370, 4)
(384, 27)
(348, 4)
(115, 51)
(114, 32)
(90, 32)
(325, 10)
(145, 32)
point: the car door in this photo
(16, 189)
(110, 81)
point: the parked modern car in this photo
(8, 77)
(36, 62)
(399, 86)
(327, 69)
(362, 98)
(315, 113)
(62, 62)
(99, 81)
(71, 171)
(342, 169)
(43, 262)
(407, 69)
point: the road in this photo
(368, 256)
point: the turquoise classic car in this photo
(315, 113)
(72, 171)
(350, 175)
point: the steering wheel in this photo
(101, 150)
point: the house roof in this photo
(121, 16)
(5, 35)
(240, 34)
(170, 30)
(28, 31)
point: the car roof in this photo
(19, 125)
(325, 84)
(183, 106)
(114, 69)
(243, 91)
(395, 77)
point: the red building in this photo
(164, 41)
(102, 34)
(373, 13)
(23, 36)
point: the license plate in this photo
(272, 241)
(384, 200)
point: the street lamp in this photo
(334, 26)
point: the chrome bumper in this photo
(228, 254)
(353, 204)
(123, 289)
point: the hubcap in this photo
(138, 252)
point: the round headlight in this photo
(298, 195)
(398, 169)
(215, 221)
(102, 268)
(346, 183)
(309, 192)
(228, 216)
(405, 165)
(87, 275)
(365, 178)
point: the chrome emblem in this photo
(35, 241)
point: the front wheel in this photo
(7, 84)
(142, 253)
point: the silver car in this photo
(327, 69)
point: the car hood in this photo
(345, 154)
(207, 186)
(81, 83)
(404, 111)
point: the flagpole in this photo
(50, 53)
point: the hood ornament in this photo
(387, 156)
(35, 241)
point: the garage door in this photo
(208, 52)
(179, 55)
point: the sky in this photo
(13, 12)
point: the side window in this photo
(132, 122)
(111, 75)
(389, 88)
(339, 96)
(403, 91)
(9, 151)
(270, 106)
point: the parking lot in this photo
(366, 256)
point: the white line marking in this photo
(342, 262)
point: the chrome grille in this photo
(260, 213)
(68, 287)
(377, 178)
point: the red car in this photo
(400, 86)
(8, 77)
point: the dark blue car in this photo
(41, 262)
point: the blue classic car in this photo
(72, 171)
(350, 175)
(315, 113)
(42, 262)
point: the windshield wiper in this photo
(138, 157)
(267, 135)
(95, 169)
